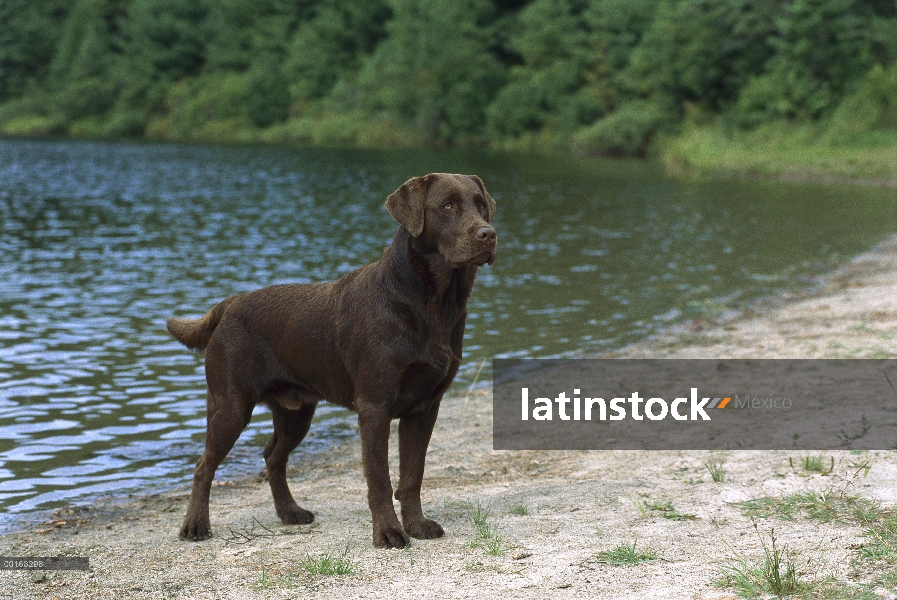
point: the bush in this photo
(125, 122)
(872, 107)
(625, 132)
(782, 96)
(34, 103)
(35, 113)
(85, 98)
(518, 107)
(268, 101)
(194, 105)
(33, 125)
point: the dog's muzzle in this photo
(488, 240)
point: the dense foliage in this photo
(598, 76)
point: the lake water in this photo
(101, 242)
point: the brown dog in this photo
(384, 340)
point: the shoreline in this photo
(551, 512)
(676, 163)
(795, 153)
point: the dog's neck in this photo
(438, 278)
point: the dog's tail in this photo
(195, 333)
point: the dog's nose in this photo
(486, 235)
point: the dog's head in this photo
(450, 214)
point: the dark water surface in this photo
(101, 242)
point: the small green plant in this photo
(668, 512)
(493, 545)
(625, 554)
(816, 464)
(480, 518)
(329, 564)
(816, 505)
(716, 470)
(882, 533)
(521, 510)
(264, 580)
(486, 536)
(452, 504)
(777, 575)
(718, 521)
(640, 506)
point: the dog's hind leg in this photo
(226, 419)
(290, 427)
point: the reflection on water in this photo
(101, 242)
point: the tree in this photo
(242, 31)
(551, 40)
(29, 30)
(821, 49)
(333, 44)
(162, 41)
(701, 51)
(435, 69)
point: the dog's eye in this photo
(447, 206)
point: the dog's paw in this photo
(296, 516)
(196, 532)
(390, 537)
(424, 529)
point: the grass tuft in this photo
(716, 470)
(264, 580)
(329, 564)
(668, 512)
(486, 534)
(521, 510)
(777, 575)
(816, 464)
(816, 505)
(625, 554)
(454, 504)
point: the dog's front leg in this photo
(373, 425)
(414, 437)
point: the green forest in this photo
(696, 82)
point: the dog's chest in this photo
(429, 367)
(435, 333)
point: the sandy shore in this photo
(550, 514)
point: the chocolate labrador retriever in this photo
(384, 340)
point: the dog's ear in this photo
(406, 204)
(490, 203)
